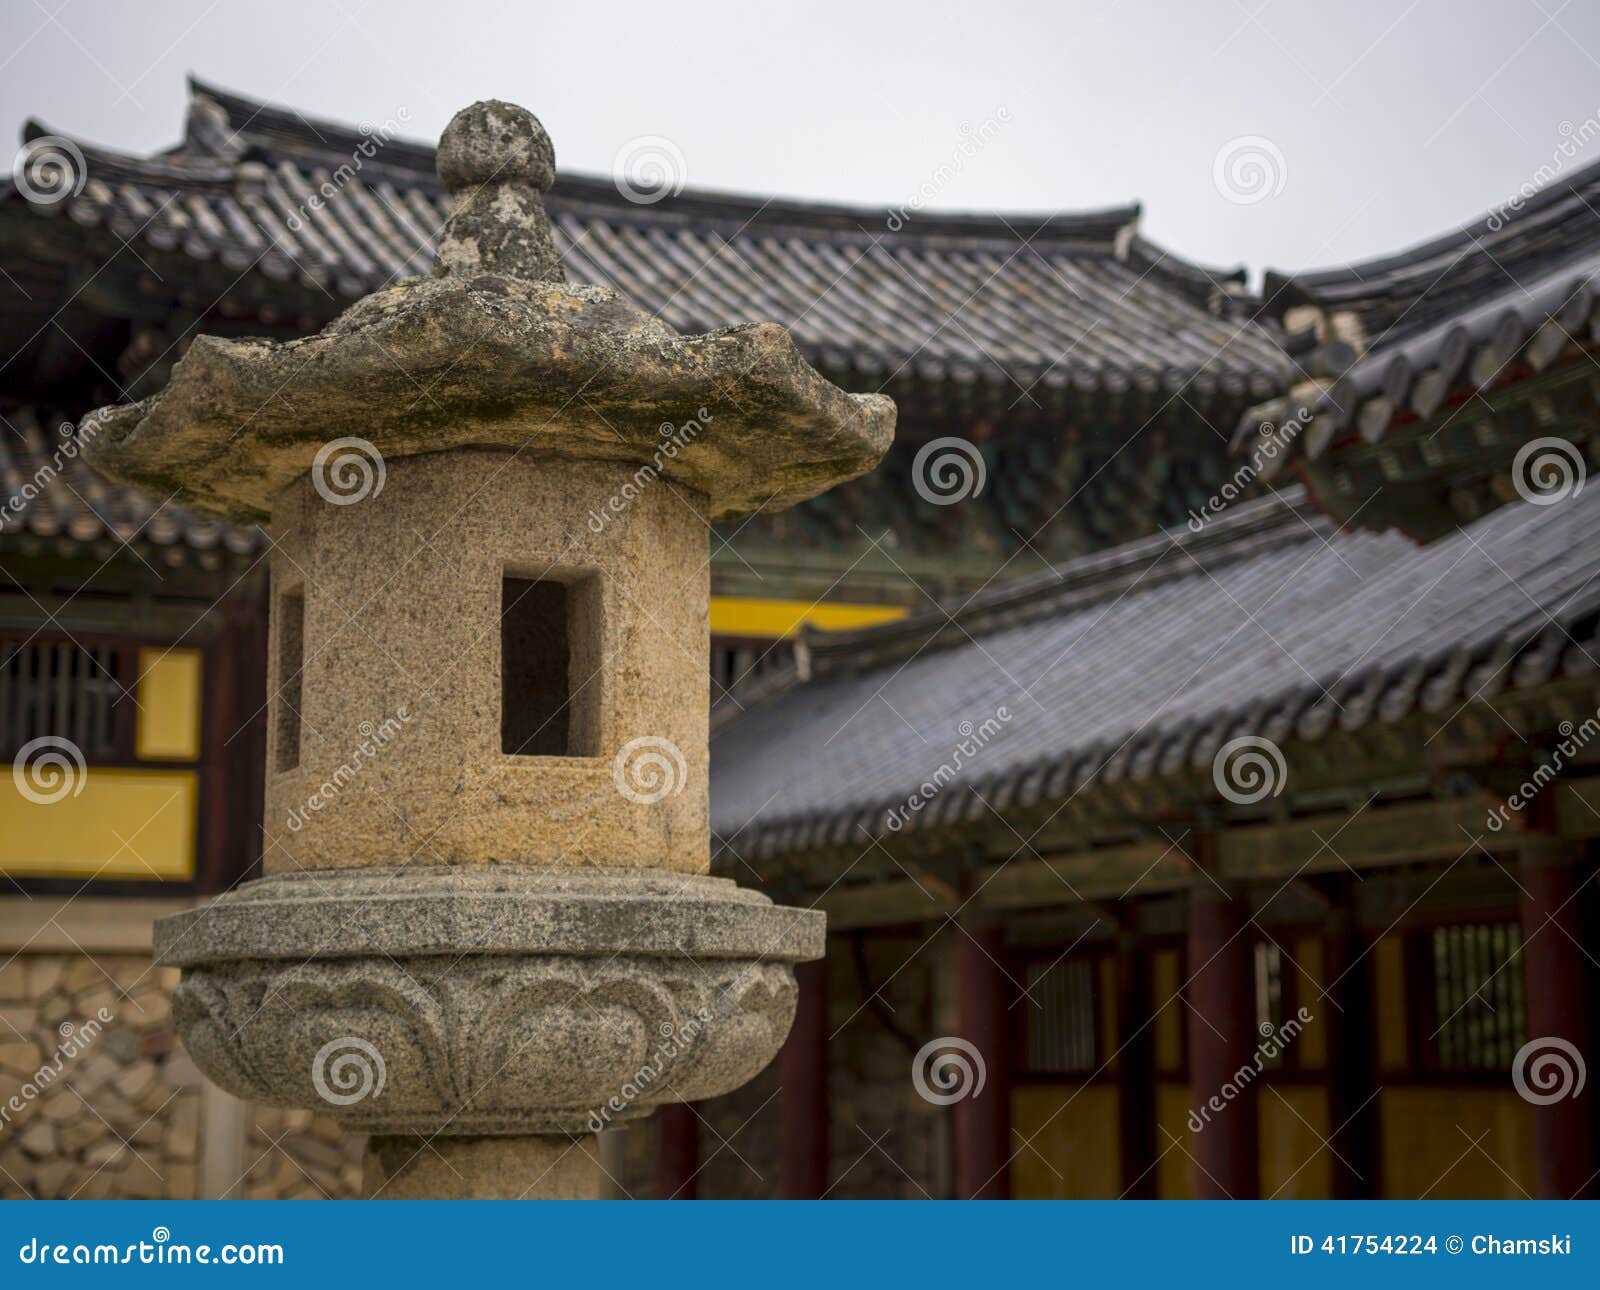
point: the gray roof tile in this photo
(1135, 661)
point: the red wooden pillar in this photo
(1350, 1026)
(983, 1014)
(233, 740)
(1136, 1071)
(803, 1100)
(1222, 1039)
(678, 1145)
(1556, 986)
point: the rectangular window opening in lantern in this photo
(291, 661)
(550, 666)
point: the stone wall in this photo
(115, 1108)
(295, 1155)
(98, 1099)
(886, 1142)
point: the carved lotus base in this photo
(466, 1002)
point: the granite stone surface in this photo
(479, 954)
(401, 601)
(479, 1001)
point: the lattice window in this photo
(1478, 1016)
(62, 689)
(1059, 1023)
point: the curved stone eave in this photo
(736, 415)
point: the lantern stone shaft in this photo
(469, 542)
(486, 929)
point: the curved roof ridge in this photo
(1112, 227)
(1517, 235)
(1104, 323)
(104, 162)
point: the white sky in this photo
(1394, 120)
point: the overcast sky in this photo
(1281, 133)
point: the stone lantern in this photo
(487, 928)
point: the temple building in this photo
(982, 705)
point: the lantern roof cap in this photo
(495, 350)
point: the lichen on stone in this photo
(497, 350)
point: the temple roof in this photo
(51, 499)
(1437, 333)
(1062, 302)
(1398, 296)
(1143, 661)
